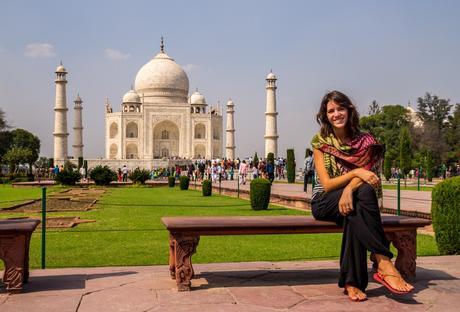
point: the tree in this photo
(290, 164)
(16, 156)
(255, 160)
(3, 123)
(405, 151)
(429, 165)
(21, 138)
(374, 108)
(434, 113)
(452, 135)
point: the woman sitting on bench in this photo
(348, 192)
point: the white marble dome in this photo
(131, 97)
(162, 76)
(197, 98)
(61, 69)
(271, 76)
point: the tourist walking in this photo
(347, 191)
(243, 172)
(308, 171)
(125, 171)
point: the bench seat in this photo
(185, 233)
(14, 251)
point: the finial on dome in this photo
(60, 62)
(132, 88)
(196, 89)
(162, 46)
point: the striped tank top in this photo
(318, 188)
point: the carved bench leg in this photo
(406, 244)
(185, 247)
(172, 256)
(12, 251)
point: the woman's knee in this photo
(366, 192)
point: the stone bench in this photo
(185, 234)
(14, 251)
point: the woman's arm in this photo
(330, 184)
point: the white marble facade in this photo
(158, 120)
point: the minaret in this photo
(60, 117)
(271, 132)
(78, 129)
(230, 139)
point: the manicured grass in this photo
(408, 188)
(128, 231)
(10, 196)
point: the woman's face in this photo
(337, 115)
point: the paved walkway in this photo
(410, 200)
(249, 286)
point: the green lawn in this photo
(128, 231)
(409, 188)
(10, 196)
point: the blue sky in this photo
(390, 51)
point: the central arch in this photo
(166, 139)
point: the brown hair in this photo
(342, 100)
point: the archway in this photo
(113, 130)
(200, 131)
(200, 151)
(131, 130)
(131, 151)
(166, 139)
(113, 151)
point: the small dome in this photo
(271, 76)
(162, 76)
(61, 69)
(197, 98)
(131, 97)
(78, 99)
(230, 103)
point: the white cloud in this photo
(38, 50)
(115, 55)
(191, 67)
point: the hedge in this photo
(139, 176)
(103, 175)
(184, 182)
(260, 193)
(207, 187)
(171, 181)
(445, 212)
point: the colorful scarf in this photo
(361, 152)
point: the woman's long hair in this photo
(352, 126)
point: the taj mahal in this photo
(159, 123)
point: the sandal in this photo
(380, 278)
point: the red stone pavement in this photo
(248, 286)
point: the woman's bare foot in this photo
(354, 294)
(391, 276)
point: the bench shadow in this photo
(260, 278)
(62, 282)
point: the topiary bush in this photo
(207, 187)
(171, 181)
(260, 193)
(103, 175)
(270, 157)
(184, 182)
(445, 212)
(68, 177)
(139, 176)
(290, 166)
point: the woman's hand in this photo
(346, 201)
(367, 176)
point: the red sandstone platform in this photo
(249, 286)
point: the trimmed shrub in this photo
(290, 166)
(103, 175)
(139, 176)
(260, 193)
(207, 187)
(445, 212)
(184, 182)
(68, 177)
(171, 181)
(255, 160)
(51, 162)
(270, 157)
(85, 165)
